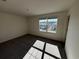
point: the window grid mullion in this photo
(47, 25)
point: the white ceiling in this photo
(34, 7)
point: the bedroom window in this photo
(43, 25)
(48, 25)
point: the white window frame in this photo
(47, 26)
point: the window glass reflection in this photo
(33, 54)
(52, 49)
(48, 57)
(39, 44)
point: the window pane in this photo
(52, 25)
(52, 49)
(39, 44)
(43, 25)
(33, 54)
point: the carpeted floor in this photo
(18, 47)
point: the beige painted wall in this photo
(33, 24)
(72, 41)
(12, 26)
